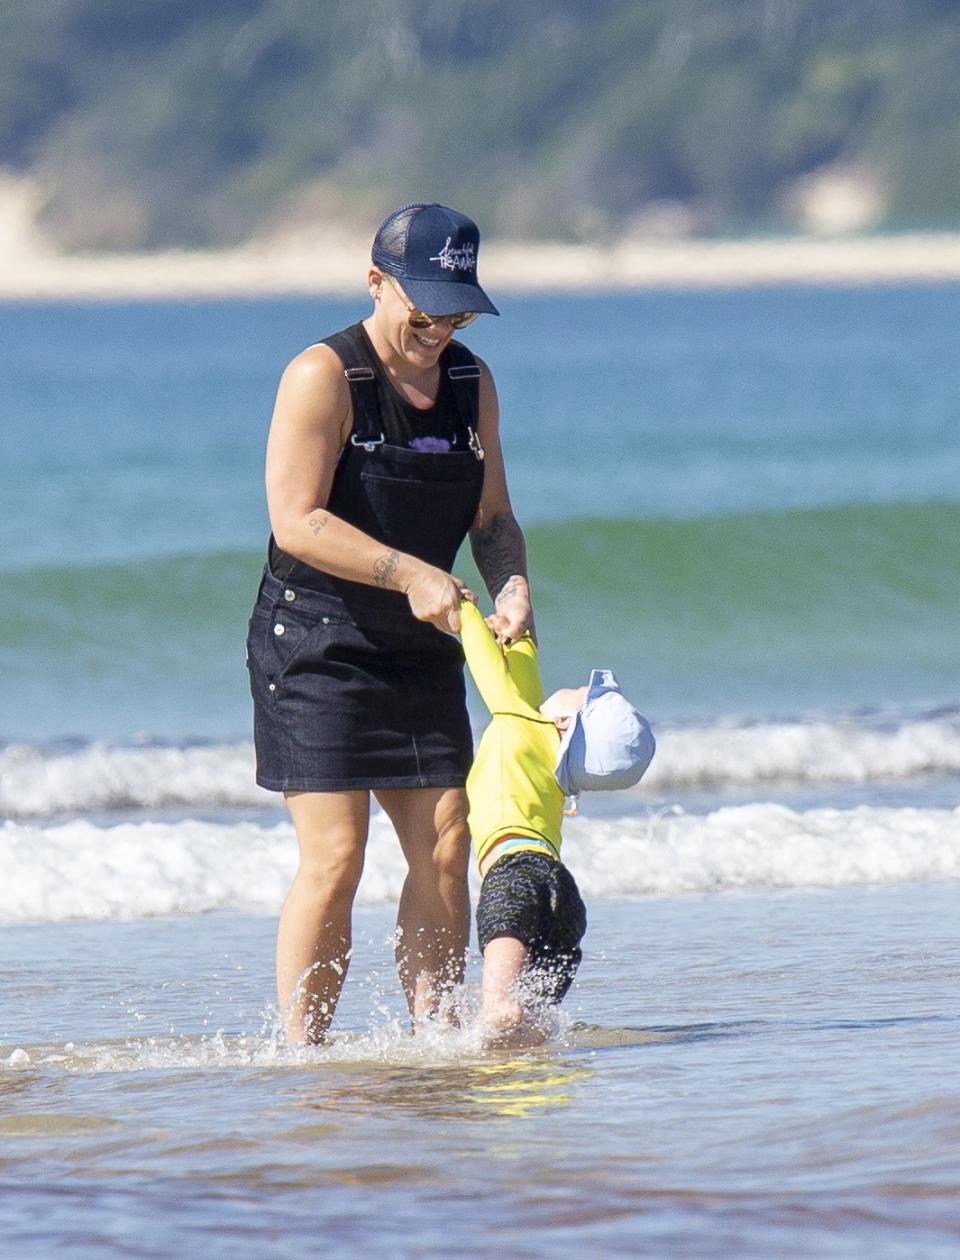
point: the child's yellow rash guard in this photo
(511, 785)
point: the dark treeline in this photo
(170, 122)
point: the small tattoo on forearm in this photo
(318, 523)
(500, 553)
(512, 588)
(385, 568)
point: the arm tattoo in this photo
(385, 567)
(498, 549)
(318, 523)
(512, 588)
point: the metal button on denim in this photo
(325, 620)
(289, 595)
(272, 687)
(279, 628)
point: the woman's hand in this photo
(435, 597)
(512, 614)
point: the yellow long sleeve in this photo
(507, 681)
(511, 787)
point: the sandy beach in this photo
(331, 265)
(318, 259)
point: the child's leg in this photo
(503, 962)
(502, 1015)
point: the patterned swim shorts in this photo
(534, 898)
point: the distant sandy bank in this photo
(337, 266)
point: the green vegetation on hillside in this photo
(167, 122)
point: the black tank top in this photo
(410, 478)
(435, 429)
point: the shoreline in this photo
(334, 266)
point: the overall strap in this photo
(367, 421)
(464, 373)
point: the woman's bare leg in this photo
(434, 914)
(314, 937)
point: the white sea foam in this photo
(43, 783)
(837, 751)
(37, 782)
(763, 846)
(76, 870)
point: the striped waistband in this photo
(520, 844)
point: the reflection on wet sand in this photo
(513, 1087)
(517, 1093)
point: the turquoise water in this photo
(747, 505)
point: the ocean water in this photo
(744, 503)
(759, 1074)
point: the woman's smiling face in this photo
(416, 336)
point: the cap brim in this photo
(446, 297)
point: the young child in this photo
(530, 916)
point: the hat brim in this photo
(561, 772)
(446, 297)
(599, 684)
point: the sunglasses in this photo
(420, 319)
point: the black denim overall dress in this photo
(350, 690)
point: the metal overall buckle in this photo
(468, 372)
(363, 374)
(368, 444)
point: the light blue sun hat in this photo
(608, 745)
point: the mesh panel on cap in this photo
(390, 242)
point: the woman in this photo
(383, 455)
